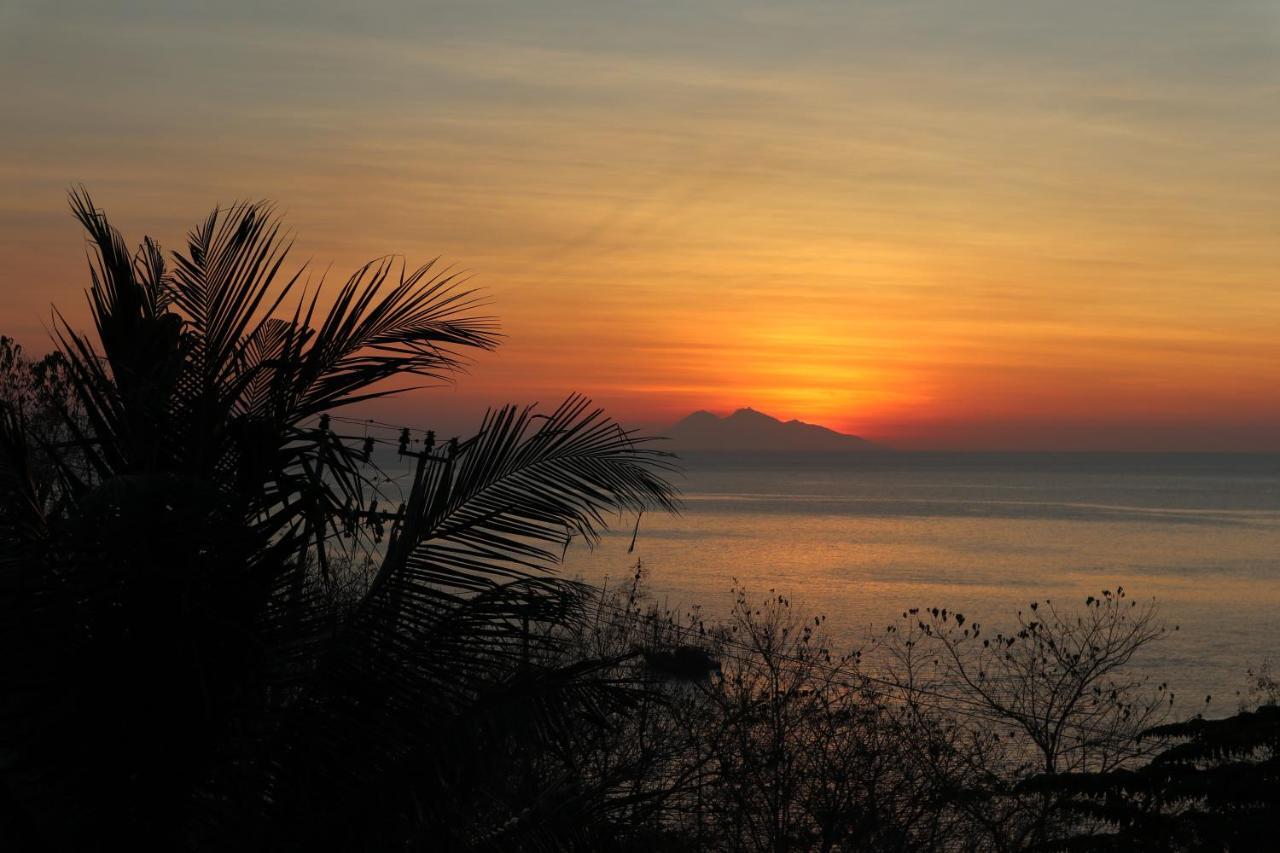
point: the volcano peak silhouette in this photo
(750, 430)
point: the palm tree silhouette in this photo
(207, 641)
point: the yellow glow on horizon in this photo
(1043, 224)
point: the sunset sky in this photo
(973, 225)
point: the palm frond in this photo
(226, 279)
(502, 506)
(415, 326)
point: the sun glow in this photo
(968, 244)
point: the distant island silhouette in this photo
(749, 430)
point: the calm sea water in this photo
(860, 539)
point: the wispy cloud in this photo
(868, 213)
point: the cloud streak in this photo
(904, 216)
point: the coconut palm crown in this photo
(221, 628)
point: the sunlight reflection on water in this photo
(861, 540)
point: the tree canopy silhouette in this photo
(211, 635)
(1216, 786)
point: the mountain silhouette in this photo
(749, 430)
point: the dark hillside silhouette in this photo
(747, 430)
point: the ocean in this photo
(860, 538)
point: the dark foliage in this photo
(210, 636)
(1217, 787)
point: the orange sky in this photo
(1031, 225)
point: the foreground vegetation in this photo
(936, 736)
(222, 630)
